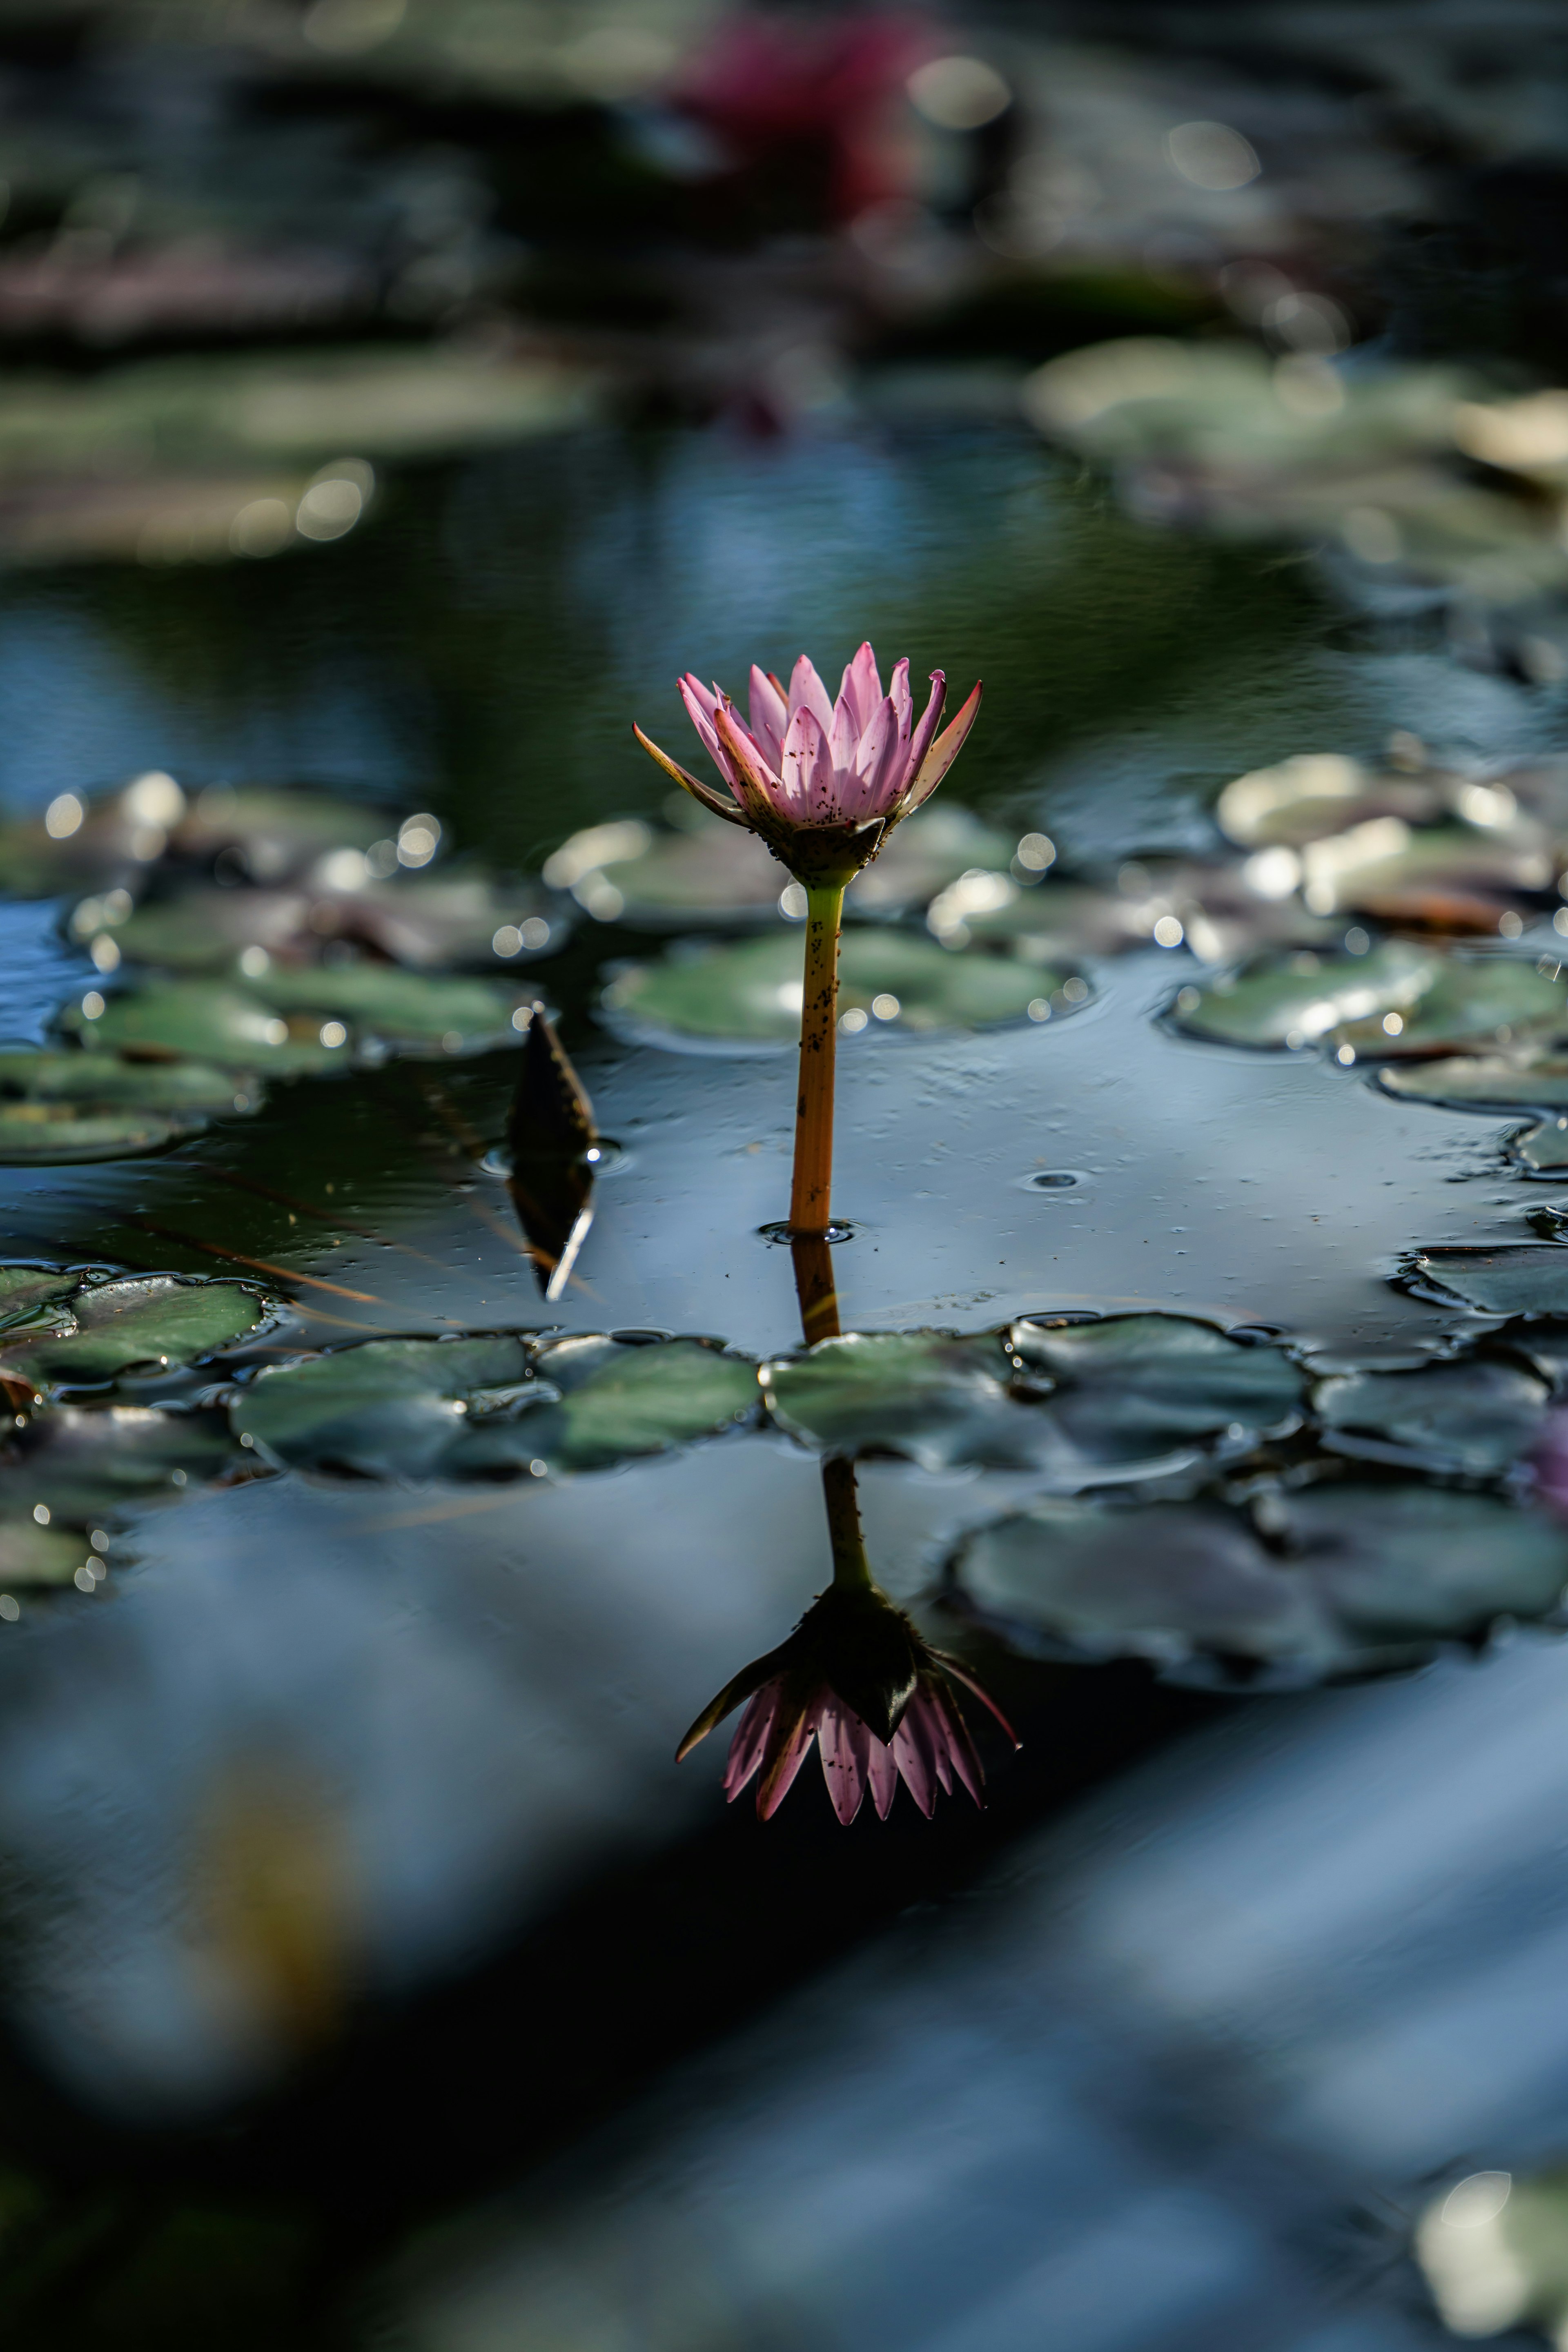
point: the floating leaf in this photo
(750, 993)
(83, 1465)
(413, 919)
(406, 1008)
(1315, 794)
(379, 1408)
(552, 1144)
(1479, 999)
(194, 1018)
(1134, 1387)
(1484, 1082)
(1516, 1278)
(25, 1290)
(134, 1323)
(618, 1399)
(938, 1399)
(1295, 1000)
(1354, 1577)
(59, 1108)
(1473, 1416)
(1542, 1150)
(1074, 1398)
(34, 1555)
(1491, 2245)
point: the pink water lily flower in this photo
(823, 783)
(880, 1703)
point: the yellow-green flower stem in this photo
(809, 1198)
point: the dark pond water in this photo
(1141, 2066)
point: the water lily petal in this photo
(943, 752)
(914, 1763)
(794, 1729)
(770, 715)
(844, 1744)
(808, 785)
(862, 688)
(720, 803)
(700, 707)
(950, 1666)
(882, 1772)
(874, 783)
(900, 698)
(750, 1743)
(806, 692)
(757, 789)
(961, 1750)
(931, 720)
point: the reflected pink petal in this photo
(750, 1739)
(882, 1772)
(843, 1758)
(961, 1750)
(919, 1777)
(787, 1749)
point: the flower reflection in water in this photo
(856, 1675)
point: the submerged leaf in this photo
(750, 993)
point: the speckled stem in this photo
(850, 1565)
(808, 1206)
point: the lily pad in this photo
(414, 919)
(1484, 1082)
(1296, 1000)
(84, 1465)
(1353, 1577)
(25, 1290)
(750, 993)
(1132, 1388)
(1486, 1000)
(1516, 1278)
(61, 1108)
(192, 1017)
(31, 1555)
(405, 1008)
(936, 1398)
(1075, 1399)
(135, 1323)
(1473, 1416)
(1542, 1150)
(603, 1401)
(1315, 794)
(379, 1408)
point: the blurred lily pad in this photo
(85, 1464)
(415, 920)
(1523, 1081)
(135, 1323)
(1354, 1577)
(204, 1021)
(1492, 2246)
(1297, 999)
(1542, 1150)
(31, 1555)
(61, 1108)
(1474, 1417)
(750, 993)
(1315, 794)
(379, 1408)
(936, 1398)
(1484, 999)
(1517, 1279)
(405, 1008)
(605, 1400)
(1135, 1387)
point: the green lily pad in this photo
(193, 1017)
(750, 993)
(25, 1290)
(415, 920)
(1483, 1000)
(31, 1555)
(86, 1464)
(1074, 1400)
(405, 1008)
(936, 1398)
(1296, 1000)
(1132, 1388)
(1355, 1577)
(1516, 1278)
(142, 1322)
(605, 1400)
(379, 1408)
(1473, 1417)
(1484, 1082)
(59, 1107)
(1542, 1150)
(1313, 794)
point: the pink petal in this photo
(943, 752)
(720, 803)
(900, 698)
(862, 688)
(770, 715)
(699, 708)
(751, 1739)
(806, 692)
(807, 767)
(844, 735)
(844, 1744)
(756, 787)
(882, 1771)
(876, 779)
(931, 720)
(929, 1731)
(787, 1751)
(961, 1750)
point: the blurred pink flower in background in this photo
(1549, 1458)
(767, 84)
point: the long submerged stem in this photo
(810, 1197)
